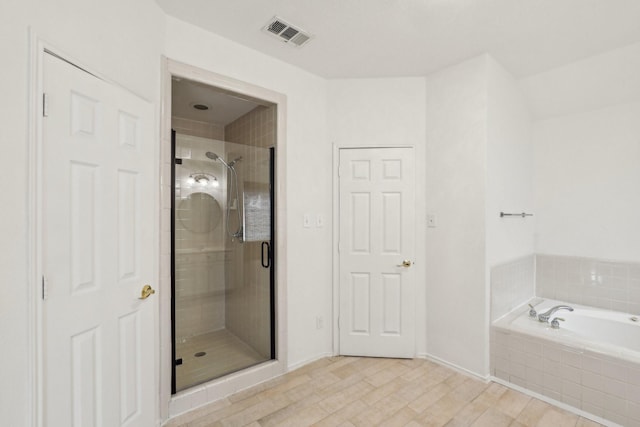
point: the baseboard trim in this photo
(485, 378)
(305, 362)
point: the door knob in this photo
(146, 292)
(405, 263)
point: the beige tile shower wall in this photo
(256, 128)
(199, 293)
(247, 305)
(605, 284)
(247, 299)
(196, 128)
(512, 284)
(200, 255)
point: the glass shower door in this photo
(223, 262)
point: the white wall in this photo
(599, 81)
(122, 40)
(509, 169)
(386, 112)
(586, 155)
(587, 177)
(456, 135)
(309, 184)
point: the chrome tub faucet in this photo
(544, 317)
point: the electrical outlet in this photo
(319, 322)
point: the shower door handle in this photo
(267, 263)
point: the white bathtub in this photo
(609, 332)
(592, 362)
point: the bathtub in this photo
(610, 332)
(591, 363)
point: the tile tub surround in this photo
(512, 283)
(585, 379)
(594, 282)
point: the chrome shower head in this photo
(214, 157)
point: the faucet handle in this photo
(555, 324)
(532, 311)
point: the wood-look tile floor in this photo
(354, 391)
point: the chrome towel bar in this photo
(503, 214)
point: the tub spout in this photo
(544, 317)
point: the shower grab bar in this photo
(503, 214)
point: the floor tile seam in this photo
(236, 410)
(440, 393)
(380, 397)
(308, 402)
(401, 408)
(277, 407)
(197, 415)
(285, 386)
(274, 420)
(332, 366)
(345, 402)
(486, 408)
(423, 373)
(374, 384)
(339, 415)
(514, 417)
(465, 400)
(340, 385)
(457, 409)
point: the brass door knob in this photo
(405, 263)
(146, 291)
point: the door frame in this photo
(171, 405)
(38, 48)
(420, 245)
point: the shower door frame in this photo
(171, 405)
(271, 264)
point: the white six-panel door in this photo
(377, 246)
(97, 252)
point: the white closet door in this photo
(98, 251)
(377, 222)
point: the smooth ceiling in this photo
(384, 38)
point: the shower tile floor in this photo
(224, 353)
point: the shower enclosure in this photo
(223, 283)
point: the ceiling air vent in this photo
(286, 32)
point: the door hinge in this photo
(45, 105)
(338, 322)
(45, 290)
